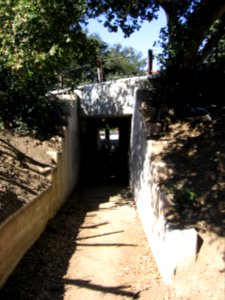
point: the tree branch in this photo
(203, 17)
(168, 7)
(213, 41)
(198, 24)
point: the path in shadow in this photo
(40, 274)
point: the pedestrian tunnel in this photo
(105, 142)
(100, 129)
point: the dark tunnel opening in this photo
(105, 143)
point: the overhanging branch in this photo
(213, 41)
(203, 17)
(198, 24)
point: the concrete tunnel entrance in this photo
(105, 143)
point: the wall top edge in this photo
(71, 90)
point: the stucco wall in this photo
(23, 228)
(172, 249)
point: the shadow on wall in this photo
(146, 190)
(197, 165)
(109, 98)
(138, 142)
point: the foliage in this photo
(184, 198)
(35, 35)
(25, 112)
(37, 39)
(127, 15)
(117, 62)
(194, 28)
(120, 62)
(40, 39)
(188, 29)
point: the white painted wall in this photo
(110, 98)
(172, 249)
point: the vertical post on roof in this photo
(100, 70)
(107, 134)
(150, 62)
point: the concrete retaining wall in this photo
(22, 229)
(172, 249)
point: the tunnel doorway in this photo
(105, 143)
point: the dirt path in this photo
(94, 249)
(114, 261)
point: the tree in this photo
(37, 40)
(123, 62)
(39, 37)
(194, 28)
(117, 62)
(212, 72)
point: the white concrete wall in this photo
(22, 229)
(109, 98)
(172, 249)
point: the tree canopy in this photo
(40, 36)
(189, 38)
(123, 61)
(193, 32)
(117, 62)
(39, 39)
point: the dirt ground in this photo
(196, 152)
(24, 166)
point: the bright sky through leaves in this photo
(141, 40)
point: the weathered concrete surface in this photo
(20, 231)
